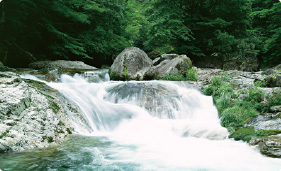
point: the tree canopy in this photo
(95, 31)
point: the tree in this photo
(267, 23)
(167, 30)
(65, 29)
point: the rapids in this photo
(143, 125)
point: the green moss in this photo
(35, 83)
(46, 95)
(61, 123)
(50, 139)
(125, 74)
(4, 134)
(268, 132)
(116, 77)
(68, 131)
(188, 61)
(244, 134)
(191, 74)
(54, 106)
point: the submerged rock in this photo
(132, 63)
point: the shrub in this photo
(275, 98)
(230, 118)
(260, 83)
(237, 116)
(244, 134)
(255, 95)
(191, 74)
(223, 102)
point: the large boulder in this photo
(249, 64)
(132, 63)
(61, 64)
(51, 70)
(169, 64)
(30, 118)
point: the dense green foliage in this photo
(267, 24)
(239, 107)
(235, 111)
(96, 30)
(66, 29)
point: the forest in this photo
(96, 31)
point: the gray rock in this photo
(270, 72)
(266, 121)
(150, 97)
(271, 146)
(132, 63)
(269, 91)
(156, 60)
(169, 56)
(273, 80)
(29, 118)
(61, 64)
(171, 64)
(250, 64)
(275, 108)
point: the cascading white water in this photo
(159, 125)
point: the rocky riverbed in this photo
(32, 114)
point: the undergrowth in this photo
(235, 111)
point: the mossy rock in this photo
(245, 134)
(268, 132)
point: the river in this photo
(142, 125)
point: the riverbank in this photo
(257, 94)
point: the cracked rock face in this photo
(28, 119)
(269, 146)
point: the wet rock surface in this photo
(30, 118)
(269, 146)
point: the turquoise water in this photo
(147, 126)
(77, 153)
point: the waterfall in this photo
(156, 125)
(108, 105)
